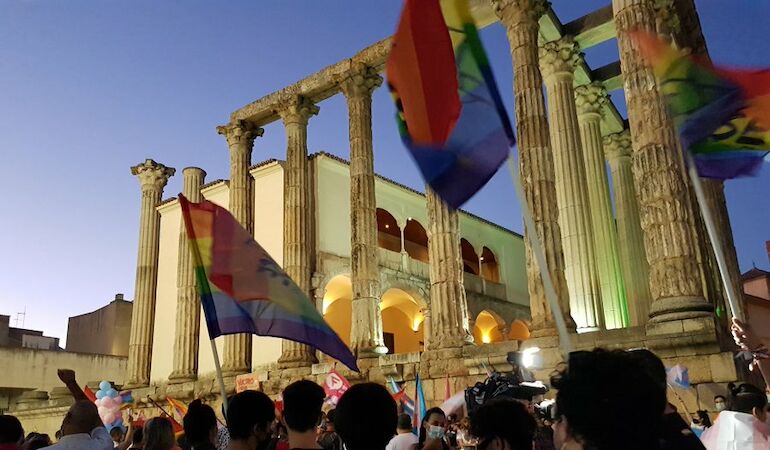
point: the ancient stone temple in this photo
(415, 287)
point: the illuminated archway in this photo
(470, 258)
(402, 321)
(519, 331)
(489, 268)
(388, 233)
(338, 306)
(416, 240)
(488, 328)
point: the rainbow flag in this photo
(243, 290)
(449, 111)
(722, 115)
(177, 407)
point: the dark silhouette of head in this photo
(250, 415)
(366, 417)
(748, 399)
(158, 434)
(302, 402)
(504, 419)
(11, 431)
(404, 422)
(200, 424)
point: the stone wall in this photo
(104, 331)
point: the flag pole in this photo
(542, 265)
(221, 379)
(708, 220)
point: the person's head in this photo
(366, 417)
(37, 442)
(720, 403)
(116, 433)
(404, 423)
(249, 417)
(596, 392)
(302, 402)
(703, 418)
(433, 417)
(749, 399)
(330, 415)
(138, 437)
(503, 424)
(11, 431)
(80, 418)
(200, 424)
(158, 434)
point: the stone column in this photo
(188, 306)
(240, 137)
(669, 243)
(366, 329)
(557, 62)
(152, 179)
(448, 306)
(297, 215)
(633, 261)
(520, 18)
(591, 100)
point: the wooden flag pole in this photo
(542, 265)
(716, 244)
(221, 380)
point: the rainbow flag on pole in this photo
(243, 290)
(722, 115)
(450, 114)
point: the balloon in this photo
(109, 417)
(105, 385)
(112, 393)
(99, 394)
(118, 400)
(128, 398)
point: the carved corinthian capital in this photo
(591, 98)
(559, 56)
(152, 176)
(296, 109)
(516, 12)
(240, 132)
(360, 81)
(617, 145)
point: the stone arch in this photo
(470, 258)
(488, 328)
(519, 330)
(337, 305)
(388, 231)
(403, 318)
(490, 269)
(416, 240)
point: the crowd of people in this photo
(605, 400)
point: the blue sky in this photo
(89, 88)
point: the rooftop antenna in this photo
(20, 317)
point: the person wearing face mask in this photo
(249, 417)
(503, 424)
(743, 427)
(433, 431)
(720, 403)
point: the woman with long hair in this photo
(158, 434)
(433, 430)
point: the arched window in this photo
(402, 322)
(470, 259)
(488, 328)
(416, 240)
(489, 269)
(388, 233)
(338, 307)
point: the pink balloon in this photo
(109, 418)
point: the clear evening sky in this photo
(90, 88)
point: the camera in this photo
(517, 385)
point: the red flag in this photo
(90, 394)
(334, 386)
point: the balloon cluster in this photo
(109, 402)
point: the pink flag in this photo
(334, 386)
(737, 431)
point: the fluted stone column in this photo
(590, 101)
(240, 137)
(297, 216)
(152, 179)
(633, 261)
(188, 306)
(557, 63)
(448, 305)
(520, 18)
(366, 329)
(669, 243)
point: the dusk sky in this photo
(90, 88)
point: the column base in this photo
(232, 373)
(679, 308)
(696, 325)
(133, 384)
(179, 378)
(294, 360)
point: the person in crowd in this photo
(503, 424)
(200, 426)
(329, 439)
(433, 430)
(302, 402)
(11, 433)
(596, 392)
(250, 415)
(404, 439)
(82, 427)
(745, 425)
(158, 434)
(366, 417)
(753, 346)
(116, 433)
(720, 403)
(136, 439)
(36, 441)
(464, 437)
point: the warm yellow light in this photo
(416, 323)
(325, 306)
(485, 338)
(408, 219)
(387, 226)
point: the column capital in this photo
(591, 98)
(296, 108)
(516, 12)
(617, 145)
(360, 80)
(240, 132)
(152, 175)
(559, 56)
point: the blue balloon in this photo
(112, 393)
(128, 398)
(118, 422)
(100, 394)
(105, 385)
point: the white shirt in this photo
(402, 442)
(98, 439)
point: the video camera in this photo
(519, 385)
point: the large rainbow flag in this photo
(450, 114)
(722, 115)
(243, 290)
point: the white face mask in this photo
(721, 406)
